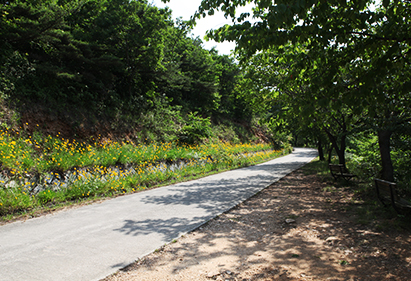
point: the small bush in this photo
(195, 130)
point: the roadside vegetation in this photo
(39, 173)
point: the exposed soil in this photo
(299, 228)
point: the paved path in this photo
(92, 242)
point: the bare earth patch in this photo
(297, 229)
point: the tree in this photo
(82, 54)
(337, 34)
(285, 86)
(233, 103)
(189, 77)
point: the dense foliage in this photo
(337, 68)
(121, 64)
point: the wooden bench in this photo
(387, 194)
(340, 171)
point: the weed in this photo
(344, 262)
(329, 188)
(294, 217)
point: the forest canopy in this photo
(335, 70)
(119, 63)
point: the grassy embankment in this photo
(41, 173)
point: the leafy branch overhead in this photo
(337, 64)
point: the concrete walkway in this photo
(92, 242)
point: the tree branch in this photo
(406, 39)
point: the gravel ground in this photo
(299, 228)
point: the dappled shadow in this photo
(168, 228)
(253, 241)
(219, 192)
(192, 203)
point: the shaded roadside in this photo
(300, 228)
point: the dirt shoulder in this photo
(300, 228)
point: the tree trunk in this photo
(320, 150)
(339, 150)
(387, 172)
(295, 139)
(341, 155)
(330, 150)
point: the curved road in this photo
(92, 242)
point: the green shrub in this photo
(196, 129)
(161, 123)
